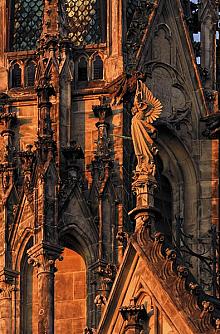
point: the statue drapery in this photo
(145, 111)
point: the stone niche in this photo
(70, 294)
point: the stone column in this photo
(43, 257)
(7, 287)
(5, 308)
(144, 187)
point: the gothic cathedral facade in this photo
(79, 253)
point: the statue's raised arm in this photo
(145, 111)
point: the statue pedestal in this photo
(144, 213)
(144, 186)
(144, 216)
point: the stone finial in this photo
(43, 257)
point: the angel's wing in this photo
(144, 97)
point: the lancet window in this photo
(29, 75)
(98, 68)
(26, 24)
(16, 76)
(85, 21)
(82, 70)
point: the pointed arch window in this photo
(82, 70)
(16, 76)
(26, 24)
(29, 75)
(98, 68)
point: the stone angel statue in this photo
(145, 111)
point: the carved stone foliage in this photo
(212, 125)
(6, 290)
(169, 87)
(133, 314)
(105, 278)
(167, 264)
(7, 283)
(43, 257)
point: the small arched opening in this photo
(29, 74)
(16, 76)
(97, 68)
(82, 70)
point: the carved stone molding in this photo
(43, 256)
(7, 282)
(144, 186)
(133, 314)
(27, 159)
(100, 300)
(102, 112)
(7, 166)
(6, 290)
(122, 237)
(88, 330)
(72, 152)
(46, 146)
(7, 117)
(212, 122)
(105, 276)
(102, 163)
(169, 267)
(144, 218)
(173, 95)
